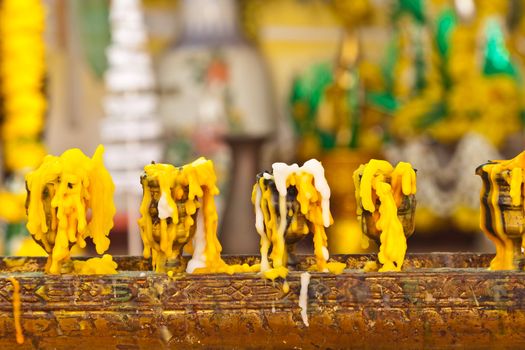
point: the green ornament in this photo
(390, 61)
(419, 62)
(354, 111)
(414, 8)
(328, 140)
(445, 24)
(497, 59)
(385, 101)
(307, 92)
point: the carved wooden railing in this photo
(440, 300)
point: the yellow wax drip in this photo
(17, 303)
(195, 185)
(512, 172)
(371, 183)
(75, 185)
(96, 266)
(271, 238)
(310, 203)
(161, 249)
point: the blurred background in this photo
(438, 83)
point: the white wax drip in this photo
(259, 226)
(282, 171)
(165, 210)
(314, 167)
(303, 297)
(326, 254)
(198, 260)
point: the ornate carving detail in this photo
(425, 306)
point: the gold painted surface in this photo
(437, 301)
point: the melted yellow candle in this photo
(313, 195)
(512, 171)
(61, 193)
(378, 180)
(168, 214)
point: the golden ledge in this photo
(438, 300)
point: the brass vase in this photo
(182, 234)
(47, 242)
(508, 236)
(406, 214)
(297, 226)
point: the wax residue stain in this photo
(512, 172)
(272, 219)
(370, 266)
(96, 266)
(378, 180)
(17, 310)
(183, 192)
(303, 297)
(61, 192)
